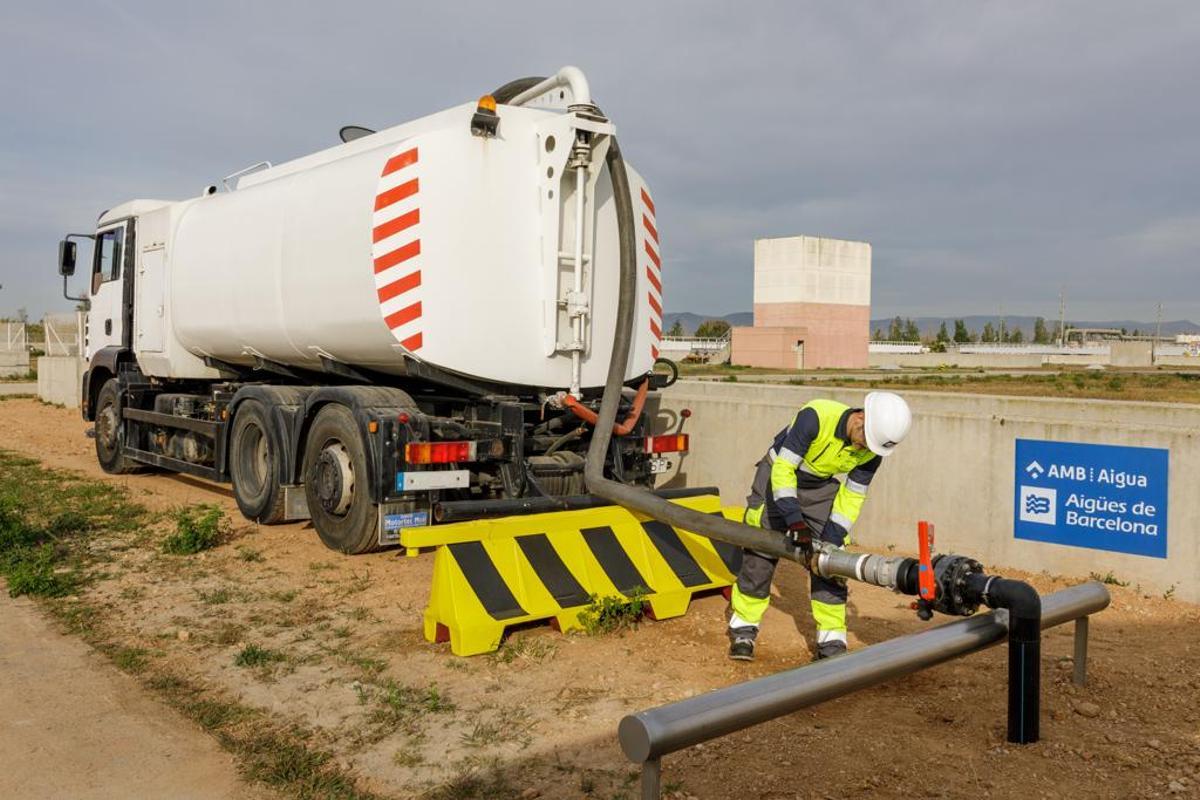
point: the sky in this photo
(993, 154)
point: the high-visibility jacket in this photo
(813, 449)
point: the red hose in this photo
(623, 429)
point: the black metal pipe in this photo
(656, 732)
(458, 510)
(1024, 650)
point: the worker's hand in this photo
(800, 536)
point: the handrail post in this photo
(651, 779)
(1081, 651)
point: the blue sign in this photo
(1105, 497)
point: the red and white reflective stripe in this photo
(396, 245)
(653, 272)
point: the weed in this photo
(130, 659)
(249, 554)
(342, 632)
(1108, 578)
(401, 707)
(359, 614)
(216, 597)
(611, 614)
(527, 648)
(482, 734)
(286, 596)
(320, 566)
(36, 572)
(408, 757)
(1169, 594)
(197, 528)
(471, 785)
(254, 656)
(357, 583)
(132, 592)
(229, 633)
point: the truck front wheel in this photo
(110, 441)
(335, 483)
(254, 465)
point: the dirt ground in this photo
(543, 712)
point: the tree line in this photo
(905, 330)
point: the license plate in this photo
(432, 479)
(411, 519)
(659, 465)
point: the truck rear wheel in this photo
(110, 441)
(254, 465)
(335, 483)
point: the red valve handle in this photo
(926, 586)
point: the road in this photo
(73, 726)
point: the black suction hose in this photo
(631, 496)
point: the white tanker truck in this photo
(411, 327)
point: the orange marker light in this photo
(487, 103)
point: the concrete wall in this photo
(773, 348)
(60, 379)
(956, 469)
(1129, 354)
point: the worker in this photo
(795, 493)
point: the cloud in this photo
(991, 153)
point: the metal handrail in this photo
(649, 735)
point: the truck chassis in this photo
(361, 454)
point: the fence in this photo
(63, 334)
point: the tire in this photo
(335, 483)
(254, 465)
(110, 436)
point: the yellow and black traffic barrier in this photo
(495, 573)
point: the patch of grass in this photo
(278, 756)
(197, 528)
(216, 597)
(409, 756)
(534, 649)
(130, 659)
(471, 784)
(254, 656)
(249, 554)
(401, 707)
(229, 633)
(286, 596)
(1108, 578)
(605, 615)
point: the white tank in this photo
(422, 240)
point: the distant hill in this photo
(929, 325)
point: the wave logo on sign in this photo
(1039, 505)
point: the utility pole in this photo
(1157, 334)
(1062, 319)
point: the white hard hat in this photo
(886, 423)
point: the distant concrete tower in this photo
(812, 305)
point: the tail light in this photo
(672, 443)
(439, 452)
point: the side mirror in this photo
(66, 258)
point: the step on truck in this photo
(411, 327)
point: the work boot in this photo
(741, 643)
(830, 650)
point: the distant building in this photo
(812, 305)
